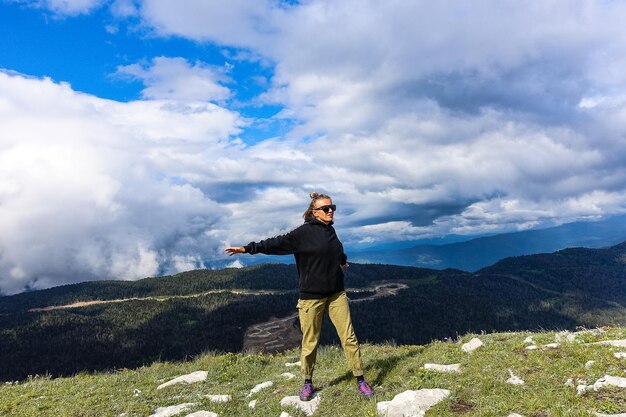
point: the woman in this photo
(320, 261)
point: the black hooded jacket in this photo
(319, 256)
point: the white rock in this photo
(606, 380)
(610, 415)
(529, 340)
(576, 383)
(531, 347)
(283, 414)
(411, 403)
(455, 367)
(589, 364)
(571, 383)
(288, 364)
(172, 410)
(514, 380)
(218, 398)
(620, 355)
(136, 392)
(260, 386)
(191, 378)
(552, 345)
(307, 407)
(617, 343)
(472, 345)
(565, 336)
(515, 415)
(252, 404)
(288, 375)
(203, 414)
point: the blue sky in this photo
(141, 137)
(86, 51)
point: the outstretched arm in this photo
(278, 245)
(233, 250)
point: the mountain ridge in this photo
(474, 254)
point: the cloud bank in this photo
(91, 188)
(420, 119)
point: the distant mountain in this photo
(478, 253)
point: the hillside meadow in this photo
(480, 389)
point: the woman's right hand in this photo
(233, 250)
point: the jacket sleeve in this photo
(344, 259)
(279, 245)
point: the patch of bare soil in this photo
(612, 395)
(281, 334)
(461, 406)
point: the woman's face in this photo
(323, 211)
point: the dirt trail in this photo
(280, 334)
(156, 298)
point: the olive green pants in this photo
(311, 314)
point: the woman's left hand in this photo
(233, 250)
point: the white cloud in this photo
(236, 22)
(235, 264)
(182, 263)
(349, 66)
(67, 7)
(176, 79)
(510, 214)
(92, 188)
(88, 188)
(419, 118)
(437, 103)
(125, 8)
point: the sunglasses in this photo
(327, 208)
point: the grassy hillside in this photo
(479, 390)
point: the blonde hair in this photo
(314, 197)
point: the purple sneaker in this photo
(365, 389)
(306, 393)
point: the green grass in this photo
(479, 390)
